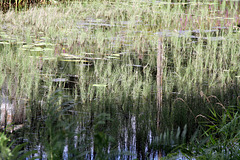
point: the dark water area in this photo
(128, 129)
(82, 106)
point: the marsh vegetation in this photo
(78, 80)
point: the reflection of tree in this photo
(159, 78)
(12, 107)
(141, 137)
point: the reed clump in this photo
(107, 51)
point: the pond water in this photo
(100, 96)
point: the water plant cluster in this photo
(216, 138)
(102, 56)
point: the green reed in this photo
(9, 151)
(130, 29)
(217, 138)
(194, 64)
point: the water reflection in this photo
(133, 123)
(13, 108)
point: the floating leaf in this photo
(99, 85)
(59, 80)
(21, 42)
(53, 2)
(117, 55)
(48, 49)
(74, 60)
(4, 43)
(27, 46)
(23, 49)
(12, 40)
(44, 38)
(111, 57)
(42, 44)
(36, 49)
(49, 58)
(66, 55)
(94, 58)
(89, 53)
(5, 36)
(134, 65)
(85, 64)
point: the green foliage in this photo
(8, 152)
(224, 137)
(97, 32)
(191, 65)
(103, 140)
(56, 124)
(60, 131)
(220, 138)
(169, 141)
(5, 149)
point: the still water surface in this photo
(85, 114)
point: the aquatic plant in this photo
(103, 54)
(10, 151)
(223, 135)
(217, 137)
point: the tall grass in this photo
(119, 39)
(219, 138)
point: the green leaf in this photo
(27, 154)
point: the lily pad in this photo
(117, 55)
(40, 44)
(89, 53)
(36, 49)
(111, 57)
(27, 46)
(49, 58)
(21, 42)
(45, 38)
(48, 49)
(99, 85)
(2, 33)
(23, 49)
(74, 60)
(4, 43)
(66, 55)
(12, 40)
(60, 80)
(5, 36)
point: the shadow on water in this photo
(70, 126)
(127, 130)
(121, 127)
(124, 129)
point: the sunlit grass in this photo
(103, 28)
(193, 59)
(119, 40)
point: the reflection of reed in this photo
(12, 107)
(159, 78)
